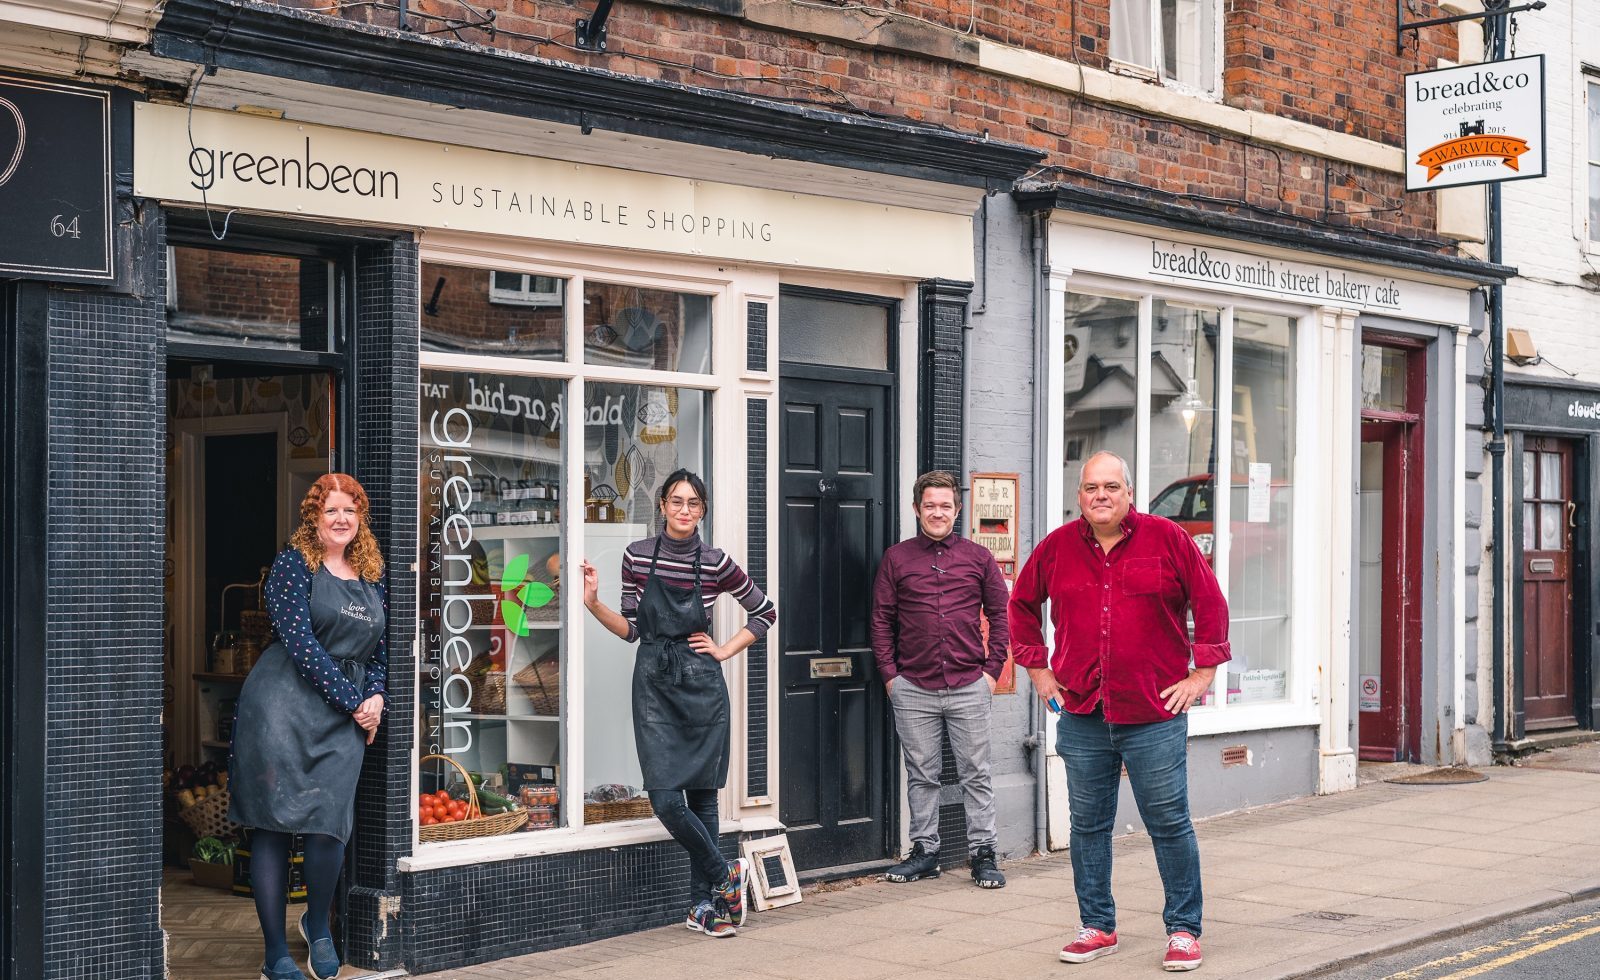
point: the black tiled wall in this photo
(386, 463)
(943, 319)
(477, 913)
(103, 652)
(940, 431)
(756, 566)
(755, 337)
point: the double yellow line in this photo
(1532, 943)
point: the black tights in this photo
(269, 880)
(690, 816)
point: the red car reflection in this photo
(1187, 502)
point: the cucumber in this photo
(493, 801)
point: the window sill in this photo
(510, 847)
(1253, 717)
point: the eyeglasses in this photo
(693, 505)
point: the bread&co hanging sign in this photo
(1475, 124)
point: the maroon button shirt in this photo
(925, 609)
(1120, 620)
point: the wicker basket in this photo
(541, 682)
(637, 808)
(490, 826)
(209, 817)
(488, 686)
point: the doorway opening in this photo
(1390, 512)
(836, 486)
(253, 393)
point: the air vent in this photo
(1236, 755)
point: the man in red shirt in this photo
(1123, 675)
(928, 642)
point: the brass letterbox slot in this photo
(831, 668)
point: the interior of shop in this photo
(245, 440)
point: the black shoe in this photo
(920, 863)
(985, 872)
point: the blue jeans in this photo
(1157, 758)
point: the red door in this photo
(1389, 679)
(1547, 519)
(1390, 513)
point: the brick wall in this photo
(235, 285)
(1337, 70)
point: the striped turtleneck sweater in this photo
(718, 574)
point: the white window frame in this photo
(577, 267)
(525, 296)
(1300, 708)
(1590, 79)
(1151, 68)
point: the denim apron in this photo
(680, 701)
(296, 758)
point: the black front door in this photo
(835, 451)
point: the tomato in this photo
(428, 821)
(443, 796)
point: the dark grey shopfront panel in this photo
(102, 656)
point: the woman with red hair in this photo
(311, 706)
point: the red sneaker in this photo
(1183, 953)
(1090, 944)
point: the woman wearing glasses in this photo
(680, 702)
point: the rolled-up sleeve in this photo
(1206, 602)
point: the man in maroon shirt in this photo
(1124, 673)
(928, 642)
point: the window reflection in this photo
(1100, 389)
(1263, 448)
(631, 326)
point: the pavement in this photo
(1297, 889)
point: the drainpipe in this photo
(1037, 718)
(1497, 443)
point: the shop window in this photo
(1175, 40)
(634, 437)
(499, 688)
(479, 311)
(636, 327)
(821, 330)
(493, 659)
(1183, 431)
(1100, 383)
(256, 299)
(1262, 442)
(1219, 409)
(1594, 158)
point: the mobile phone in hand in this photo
(1054, 705)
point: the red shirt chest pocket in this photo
(1143, 576)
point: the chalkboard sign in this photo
(55, 181)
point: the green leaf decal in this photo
(516, 571)
(536, 594)
(516, 622)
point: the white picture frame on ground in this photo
(773, 881)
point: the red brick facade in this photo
(1330, 67)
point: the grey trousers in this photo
(921, 717)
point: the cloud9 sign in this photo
(1475, 124)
